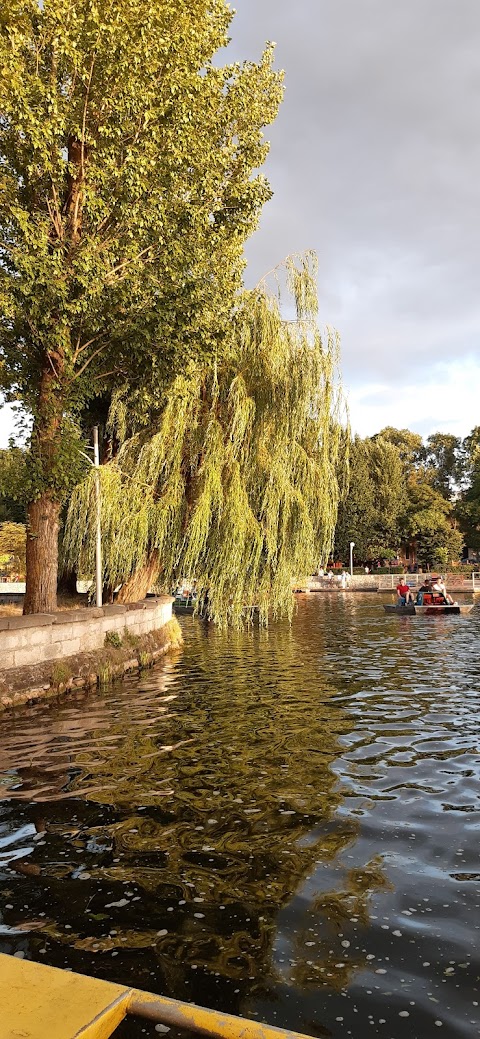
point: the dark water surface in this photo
(282, 824)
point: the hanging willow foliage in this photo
(238, 484)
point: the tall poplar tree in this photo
(127, 161)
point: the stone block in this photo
(33, 620)
(77, 616)
(9, 641)
(7, 659)
(36, 636)
(79, 630)
(54, 651)
(31, 655)
(95, 640)
(12, 640)
(70, 647)
(114, 623)
(131, 624)
(3, 623)
(113, 608)
(134, 617)
(135, 606)
(64, 617)
(62, 632)
(139, 630)
(88, 614)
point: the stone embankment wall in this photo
(39, 638)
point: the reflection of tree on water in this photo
(196, 824)
(321, 951)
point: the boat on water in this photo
(41, 1002)
(184, 603)
(430, 609)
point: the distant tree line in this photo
(404, 493)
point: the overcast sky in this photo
(375, 163)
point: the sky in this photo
(375, 164)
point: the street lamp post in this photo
(352, 546)
(98, 524)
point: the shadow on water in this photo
(282, 823)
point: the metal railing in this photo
(388, 582)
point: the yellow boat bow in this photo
(40, 1002)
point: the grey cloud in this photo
(375, 163)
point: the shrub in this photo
(112, 638)
(131, 640)
(61, 673)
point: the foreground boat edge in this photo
(42, 1002)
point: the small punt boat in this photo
(184, 603)
(430, 610)
(40, 1002)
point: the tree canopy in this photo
(369, 514)
(12, 547)
(402, 493)
(237, 483)
(409, 445)
(428, 523)
(13, 484)
(468, 507)
(129, 166)
(444, 457)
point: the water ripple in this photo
(280, 823)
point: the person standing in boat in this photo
(403, 591)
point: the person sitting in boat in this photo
(439, 589)
(425, 593)
(404, 594)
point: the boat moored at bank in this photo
(430, 610)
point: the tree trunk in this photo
(43, 520)
(140, 581)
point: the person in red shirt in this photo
(404, 594)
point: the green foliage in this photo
(369, 514)
(13, 546)
(428, 522)
(13, 484)
(237, 484)
(112, 638)
(400, 492)
(61, 673)
(129, 167)
(409, 445)
(131, 640)
(468, 507)
(105, 673)
(173, 632)
(444, 457)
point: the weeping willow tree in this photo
(236, 483)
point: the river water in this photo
(282, 824)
